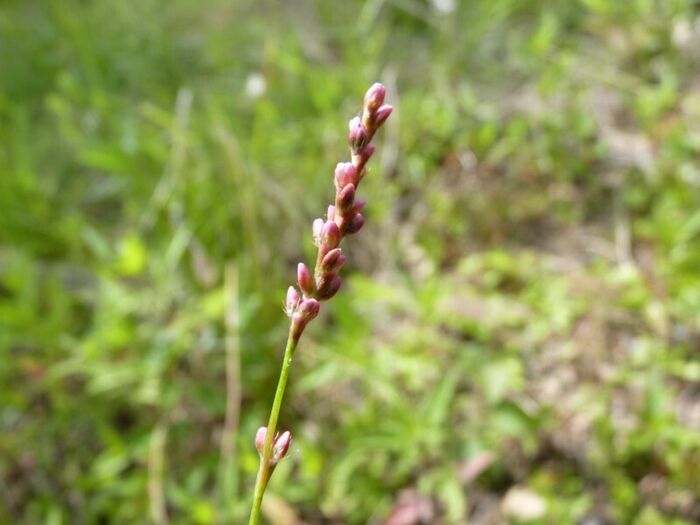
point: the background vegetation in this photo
(518, 336)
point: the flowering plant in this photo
(344, 217)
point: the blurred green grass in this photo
(526, 289)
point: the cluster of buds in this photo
(343, 218)
(280, 445)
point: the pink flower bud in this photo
(375, 96)
(306, 282)
(329, 286)
(308, 309)
(339, 263)
(260, 436)
(281, 447)
(362, 157)
(330, 214)
(357, 206)
(330, 235)
(356, 224)
(345, 198)
(293, 299)
(333, 261)
(316, 229)
(381, 115)
(345, 173)
(354, 121)
(357, 136)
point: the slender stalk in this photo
(264, 471)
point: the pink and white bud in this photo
(292, 301)
(345, 198)
(260, 436)
(306, 282)
(330, 235)
(308, 309)
(356, 224)
(375, 96)
(354, 121)
(345, 173)
(357, 135)
(281, 447)
(329, 286)
(381, 115)
(333, 261)
(316, 228)
(330, 214)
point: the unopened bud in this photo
(357, 135)
(306, 282)
(308, 309)
(360, 159)
(333, 261)
(281, 447)
(316, 228)
(345, 198)
(375, 96)
(357, 206)
(330, 235)
(345, 173)
(356, 224)
(330, 214)
(329, 286)
(381, 115)
(260, 436)
(293, 299)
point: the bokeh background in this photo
(518, 335)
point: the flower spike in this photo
(342, 218)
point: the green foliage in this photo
(527, 285)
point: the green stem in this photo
(264, 471)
